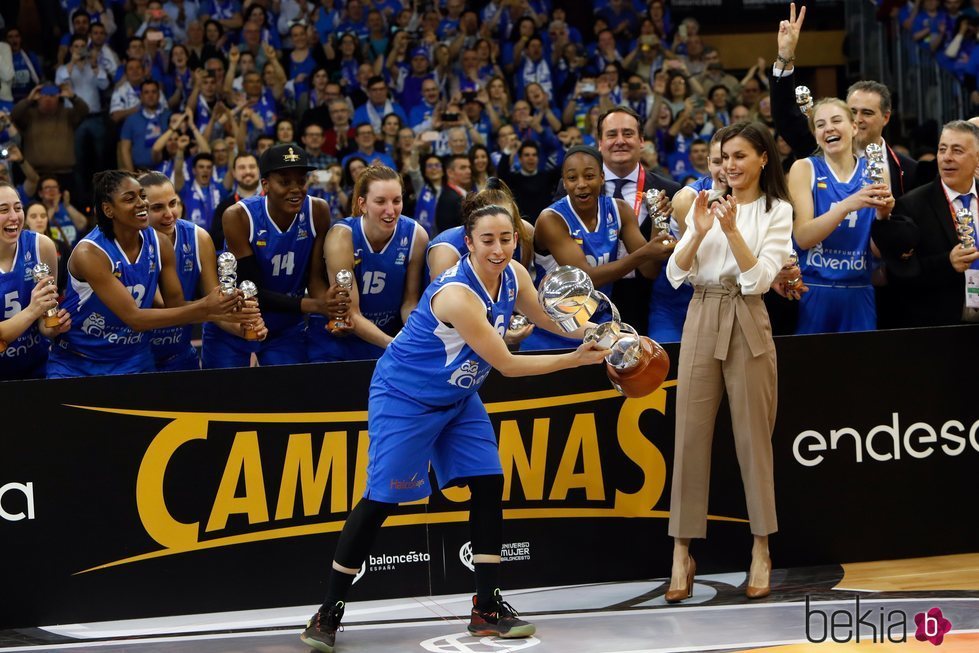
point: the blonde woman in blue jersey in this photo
(835, 207)
(423, 409)
(386, 252)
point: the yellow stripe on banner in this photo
(360, 415)
(457, 516)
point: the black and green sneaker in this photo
(321, 632)
(498, 619)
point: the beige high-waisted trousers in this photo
(726, 345)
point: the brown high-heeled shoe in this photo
(675, 596)
(760, 592)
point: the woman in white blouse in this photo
(731, 252)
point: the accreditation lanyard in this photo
(640, 184)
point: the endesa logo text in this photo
(17, 501)
(888, 441)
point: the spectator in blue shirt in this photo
(142, 129)
(367, 147)
(27, 66)
(378, 105)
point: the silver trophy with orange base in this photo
(38, 272)
(636, 365)
(345, 280)
(248, 290)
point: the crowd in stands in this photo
(452, 96)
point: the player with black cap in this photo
(278, 241)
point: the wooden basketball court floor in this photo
(629, 617)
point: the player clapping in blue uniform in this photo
(423, 409)
(196, 268)
(23, 336)
(278, 240)
(114, 273)
(834, 210)
(385, 251)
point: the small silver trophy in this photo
(792, 284)
(248, 290)
(635, 364)
(660, 221)
(38, 272)
(963, 222)
(345, 280)
(517, 322)
(803, 98)
(875, 164)
(227, 272)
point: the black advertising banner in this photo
(179, 493)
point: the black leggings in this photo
(485, 522)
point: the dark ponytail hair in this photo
(772, 179)
(104, 184)
(497, 193)
(469, 220)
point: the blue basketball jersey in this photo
(283, 256)
(29, 351)
(704, 183)
(600, 246)
(428, 360)
(381, 279)
(96, 332)
(843, 256)
(174, 341)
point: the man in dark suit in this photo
(925, 260)
(458, 177)
(620, 140)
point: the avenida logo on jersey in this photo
(465, 376)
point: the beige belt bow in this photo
(733, 304)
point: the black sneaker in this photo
(500, 620)
(321, 631)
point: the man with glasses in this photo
(378, 105)
(313, 143)
(367, 147)
(337, 141)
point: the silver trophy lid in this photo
(227, 263)
(625, 352)
(40, 270)
(248, 289)
(345, 279)
(567, 295)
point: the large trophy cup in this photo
(344, 279)
(636, 365)
(38, 272)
